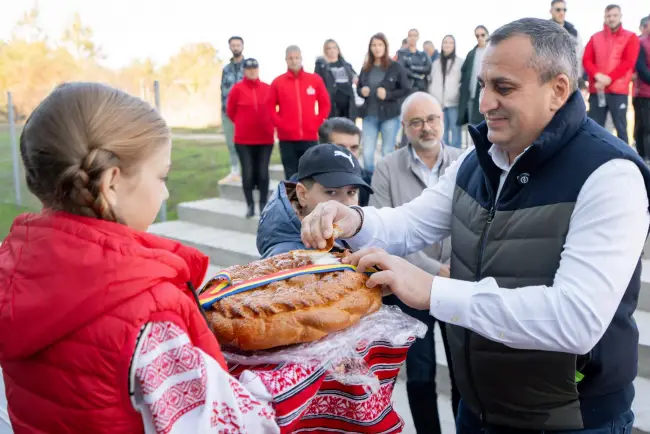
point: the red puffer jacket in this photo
(249, 107)
(74, 295)
(613, 54)
(295, 96)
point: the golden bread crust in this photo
(298, 310)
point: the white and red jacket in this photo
(250, 109)
(298, 116)
(612, 53)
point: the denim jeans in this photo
(372, 126)
(229, 132)
(451, 135)
(469, 423)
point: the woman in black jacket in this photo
(339, 78)
(383, 83)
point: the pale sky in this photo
(130, 29)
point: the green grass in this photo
(204, 130)
(197, 167)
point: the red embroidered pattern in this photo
(158, 333)
(285, 378)
(181, 397)
(173, 362)
(361, 411)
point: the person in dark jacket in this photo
(416, 62)
(383, 83)
(468, 112)
(339, 78)
(641, 99)
(250, 109)
(325, 172)
(431, 51)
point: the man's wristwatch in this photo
(359, 210)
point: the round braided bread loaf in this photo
(297, 310)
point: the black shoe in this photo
(251, 211)
(262, 206)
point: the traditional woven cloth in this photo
(337, 407)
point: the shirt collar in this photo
(417, 158)
(500, 157)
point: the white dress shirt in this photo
(606, 235)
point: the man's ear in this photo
(561, 87)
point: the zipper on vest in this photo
(468, 333)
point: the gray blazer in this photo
(397, 181)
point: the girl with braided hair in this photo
(101, 331)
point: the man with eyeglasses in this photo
(399, 178)
(468, 112)
(558, 15)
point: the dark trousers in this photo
(642, 126)
(469, 423)
(617, 106)
(254, 160)
(421, 373)
(290, 153)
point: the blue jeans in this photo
(372, 126)
(469, 423)
(451, 135)
(229, 132)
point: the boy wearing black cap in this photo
(325, 172)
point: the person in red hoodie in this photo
(297, 119)
(609, 60)
(101, 332)
(250, 109)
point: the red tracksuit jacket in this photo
(249, 107)
(295, 95)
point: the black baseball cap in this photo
(332, 166)
(251, 63)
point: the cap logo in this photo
(344, 155)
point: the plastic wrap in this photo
(342, 352)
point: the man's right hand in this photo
(318, 226)
(365, 91)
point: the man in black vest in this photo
(548, 215)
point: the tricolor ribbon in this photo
(220, 286)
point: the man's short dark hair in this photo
(405, 41)
(612, 6)
(554, 48)
(644, 21)
(235, 38)
(337, 125)
(554, 2)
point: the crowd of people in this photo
(525, 247)
(299, 102)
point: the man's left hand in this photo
(409, 283)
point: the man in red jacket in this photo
(609, 60)
(296, 117)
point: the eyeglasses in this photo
(558, 10)
(418, 123)
(480, 35)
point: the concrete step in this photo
(276, 171)
(219, 213)
(223, 247)
(235, 191)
